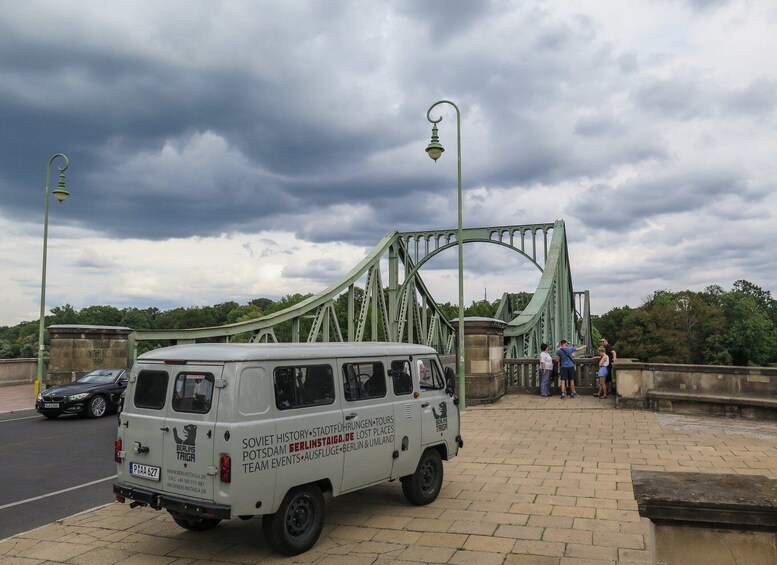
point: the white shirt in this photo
(545, 361)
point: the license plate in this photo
(144, 471)
(51, 404)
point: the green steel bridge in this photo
(358, 307)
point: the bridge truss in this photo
(358, 307)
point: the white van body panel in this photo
(356, 434)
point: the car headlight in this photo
(40, 398)
(79, 396)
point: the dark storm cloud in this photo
(321, 270)
(230, 120)
(446, 20)
(165, 146)
(703, 5)
(681, 97)
(630, 204)
(755, 99)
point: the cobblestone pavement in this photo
(539, 481)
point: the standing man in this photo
(613, 355)
(565, 354)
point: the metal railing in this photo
(523, 375)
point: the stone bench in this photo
(699, 518)
(716, 404)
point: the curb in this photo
(18, 412)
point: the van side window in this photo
(400, 375)
(429, 375)
(193, 392)
(364, 380)
(151, 389)
(303, 385)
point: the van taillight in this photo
(225, 466)
(117, 450)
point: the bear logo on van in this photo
(441, 419)
(186, 447)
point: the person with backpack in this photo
(565, 355)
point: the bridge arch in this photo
(405, 311)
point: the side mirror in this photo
(450, 381)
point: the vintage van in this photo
(218, 431)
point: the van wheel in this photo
(423, 486)
(97, 407)
(194, 523)
(297, 524)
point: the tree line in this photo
(716, 327)
(713, 327)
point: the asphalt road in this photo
(46, 467)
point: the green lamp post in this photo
(60, 193)
(435, 150)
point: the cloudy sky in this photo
(230, 150)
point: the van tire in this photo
(297, 524)
(194, 523)
(423, 486)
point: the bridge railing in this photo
(523, 375)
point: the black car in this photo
(95, 394)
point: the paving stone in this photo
(531, 547)
(567, 535)
(531, 560)
(437, 539)
(99, 556)
(55, 551)
(427, 554)
(539, 492)
(588, 551)
(489, 543)
(464, 557)
(467, 527)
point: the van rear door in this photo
(145, 412)
(190, 467)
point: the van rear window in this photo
(150, 390)
(193, 392)
(303, 385)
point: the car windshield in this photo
(100, 376)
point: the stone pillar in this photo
(77, 349)
(484, 360)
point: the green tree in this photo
(63, 315)
(750, 336)
(100, 316)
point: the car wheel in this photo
(97, 407)
(297, 524)
(51, 415)
(194, 523)
(423, 486)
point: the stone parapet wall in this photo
(77, 349)
(18, 371)
(636, 379)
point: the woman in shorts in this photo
(604, 362)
